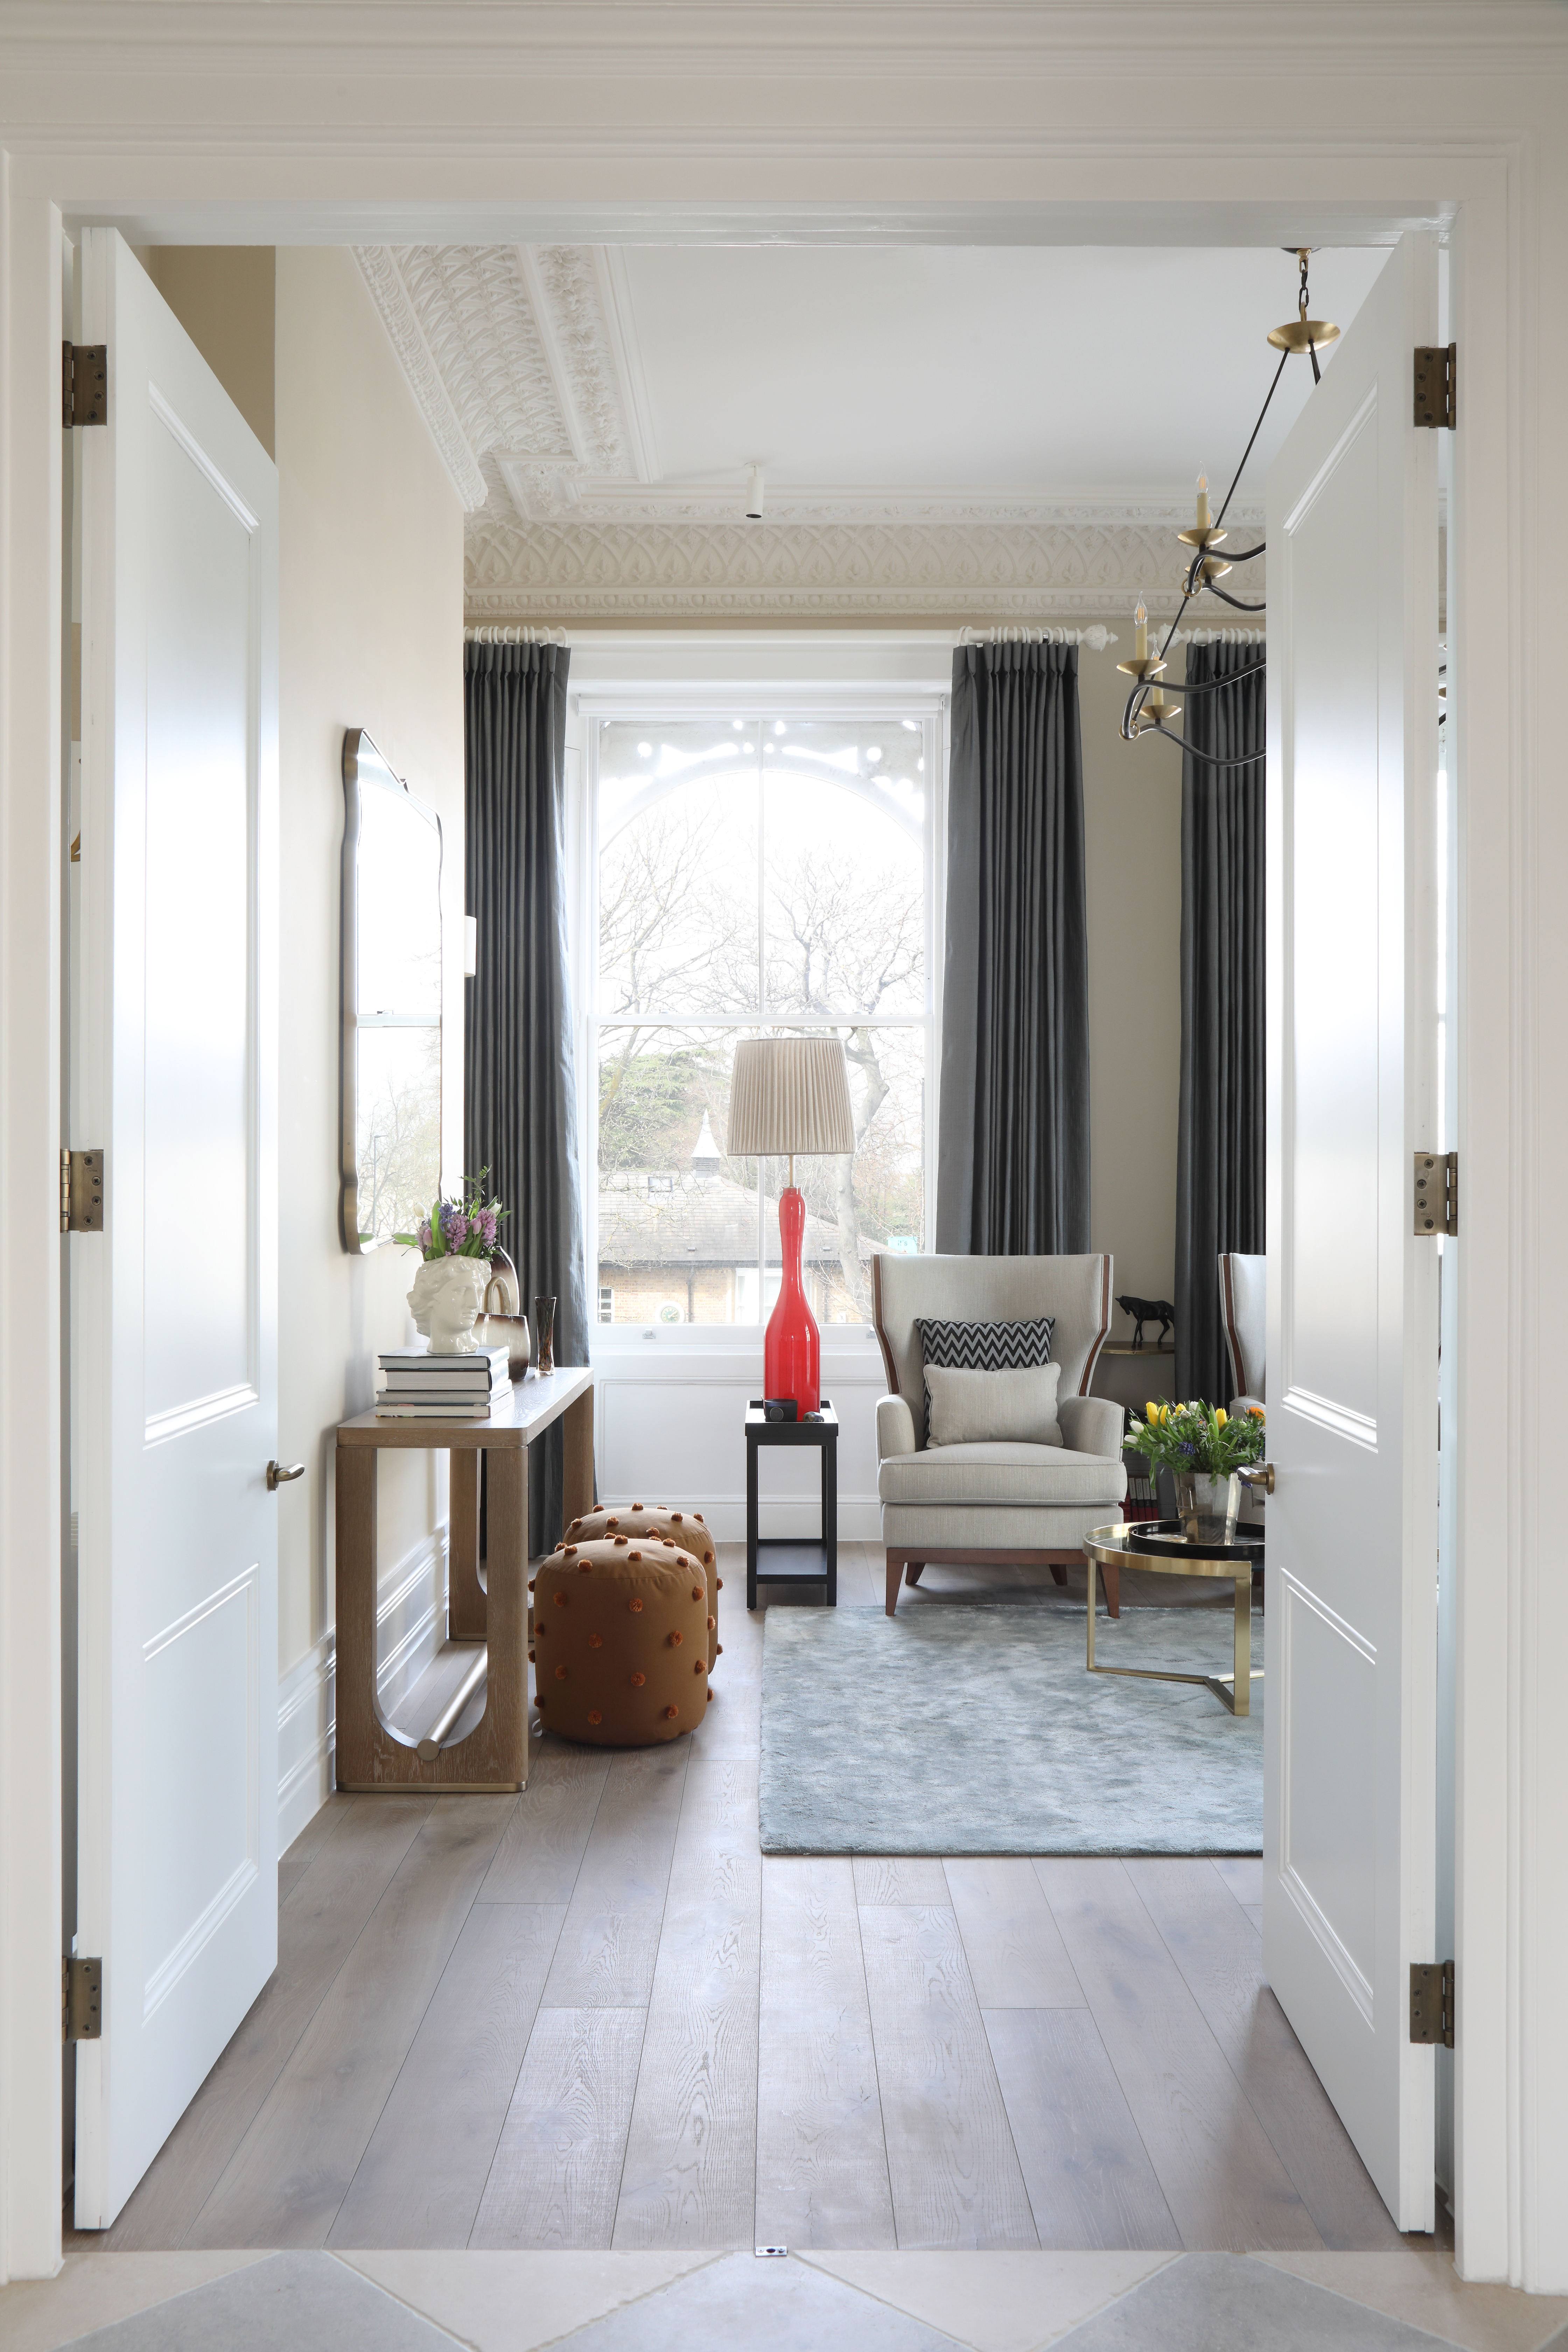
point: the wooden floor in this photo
(595, 2016)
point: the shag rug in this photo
(974, 1728)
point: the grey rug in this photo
(974, 1729)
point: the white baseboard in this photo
(411, 1625)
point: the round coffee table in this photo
(1118, 1547)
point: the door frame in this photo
(1501, 215)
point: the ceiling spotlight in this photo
(755, 495)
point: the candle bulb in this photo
(1140, 645)
(1203, 521)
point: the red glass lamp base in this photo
(792, 1348)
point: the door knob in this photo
(277, 1477)
(1262, 1475)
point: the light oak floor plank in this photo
(1243, 1874)
(689, 2175)
(1225, 2186)
(1218, 1953)
(609, 1944)
(318, 1927)
(290, 2173)
(951, 2160)
(1255, 1913)
(542, 1848)
(420, 2181)
(1088, 2173)
(1015, 1956)
(821, 2165)
(881, 1879)
(324, 1824)
(557, 2169)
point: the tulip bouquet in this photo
(1198, 1439)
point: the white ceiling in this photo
(637, 383)
(998, 369)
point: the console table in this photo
(494, 1755)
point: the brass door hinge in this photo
(1435, 1194)
(1437, 393)
(84, 384)
(81, 1192)
(81, 2001)
(1432, 2001)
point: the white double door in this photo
(174, 1303)
(1350, 1791)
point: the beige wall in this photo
(1132, 827)
(371, 613)
(223, 296)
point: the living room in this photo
(769, 693)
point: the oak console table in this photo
(494, 1755)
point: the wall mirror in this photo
(390, 1148)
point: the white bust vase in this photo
(444, 1300)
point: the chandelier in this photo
(1147, 711)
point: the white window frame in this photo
(797, 703)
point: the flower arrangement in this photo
(462, 1228)
(1197, 1438)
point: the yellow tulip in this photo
(1221, 1416)
(1152, 1412)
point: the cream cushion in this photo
(998, 1473)
(1016, 1403)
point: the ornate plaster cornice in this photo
(583, 570)
(378, 267)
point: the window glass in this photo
(755, 876)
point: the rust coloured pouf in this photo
(674, 1531)
(620, 1641)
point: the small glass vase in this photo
(1207, 1507)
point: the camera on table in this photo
(777, 1408)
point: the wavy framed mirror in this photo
(390, 1133)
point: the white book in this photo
(453, 1412)
(405, 1359)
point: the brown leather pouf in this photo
(682, 1530)
(620, 1641)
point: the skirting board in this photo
(411, 1624)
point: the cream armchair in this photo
(996, 1503)
(1244, 1311)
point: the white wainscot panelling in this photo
(1328, 1851)
(411, 1625)
(670, 1428)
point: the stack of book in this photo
(422, 1387)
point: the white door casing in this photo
(1349, 1834)
(175, 1322)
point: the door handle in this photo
(1263, 1475)
(277, 1477)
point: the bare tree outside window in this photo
(755, 876)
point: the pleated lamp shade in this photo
(790, 1094)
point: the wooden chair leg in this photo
(1110, 1576)
(914, 1571)
(1058, 1574)
(896, 1562)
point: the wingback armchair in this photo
(994, 1503)
(1244, 1311)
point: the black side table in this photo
(808, 1562)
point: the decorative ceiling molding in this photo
(588, 571)
(563, 286)
(378, 267)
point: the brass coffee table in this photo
(1118, 1547)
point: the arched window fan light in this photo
(1147, 711)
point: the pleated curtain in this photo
(1012, 1147)
(1220, 1113)
(520, 1108)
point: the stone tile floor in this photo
(885, 2302)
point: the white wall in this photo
(371, 593)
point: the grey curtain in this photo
(1220, 1111)
(519, 1106)
(1012, 1147)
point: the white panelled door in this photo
(1349, 1837)
(174, 1316)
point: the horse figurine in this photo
(1148, 1310)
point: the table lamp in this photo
(790, 1095)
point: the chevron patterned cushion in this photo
(984, 1347)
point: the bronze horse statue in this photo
(1148, 1310)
